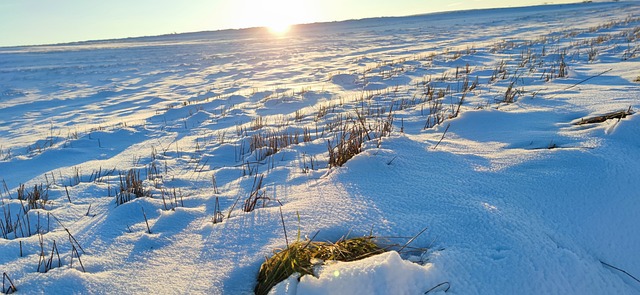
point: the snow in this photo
(516, 198)
(386, 273)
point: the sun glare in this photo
(277, 16)
(279, 29)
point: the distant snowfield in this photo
(486, 151)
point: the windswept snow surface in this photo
(516, 198)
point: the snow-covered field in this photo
(468, 124)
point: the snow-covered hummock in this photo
(386, 273)
(516, 198)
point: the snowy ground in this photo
(516, 198)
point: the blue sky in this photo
(28, 22)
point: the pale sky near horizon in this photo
(29, 22)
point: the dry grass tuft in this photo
(131, 187)
(347, 146)
(36, 199)
(257, 194)
(605, 117)
(297, 258)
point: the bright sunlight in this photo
(279, 29)
(276, 15)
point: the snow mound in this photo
(346, 81)
(386, 273)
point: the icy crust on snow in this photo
(381, 274)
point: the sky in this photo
(31, 22)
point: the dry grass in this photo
(592, 53)
(44, 264)
(5, 154)
(605, 117)
(7, 285)
(297, 257)
(20, 224)
(131, 187)
(257, 194)
(347, 146)
(217, 214)
(36, 198)
(511, 93)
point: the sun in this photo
(278, 16)
(279, 29)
